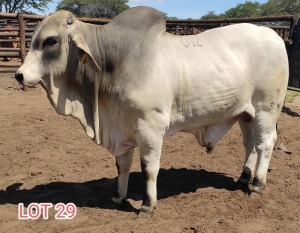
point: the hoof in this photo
(118, 200)
(245, 178)
(145, 211)
(257, 186)
(243, 181)
(254, 195)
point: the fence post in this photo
(177, 30)
(22, 41)
(184, 30)
(22, 36)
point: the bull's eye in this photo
(49, 42)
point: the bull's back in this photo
(216, 74)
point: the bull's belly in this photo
(194, 117)
(209, 127)
(188, 124)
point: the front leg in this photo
(150, 161)
(123, 163)
(150, 169)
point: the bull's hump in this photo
(140, 18)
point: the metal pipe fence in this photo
(16, 31)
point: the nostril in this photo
(19, 77)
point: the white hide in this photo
(141, 83)
(188, 83)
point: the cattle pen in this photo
(48, 161)
(16, 31)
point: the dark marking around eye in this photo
(49, 42)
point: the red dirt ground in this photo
(45, 157)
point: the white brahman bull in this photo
(130, 83)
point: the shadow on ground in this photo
(290, 112)
(97, 193)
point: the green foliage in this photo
(213, 15)
(291, 95)
(25, 6)
(255, 9)
(168, 17)
(247, 9)
(281, 7)
(94, 8)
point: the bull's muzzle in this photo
(19, 77)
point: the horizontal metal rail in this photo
(293, 89)
(286, 18)
(21, 27)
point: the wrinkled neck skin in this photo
(66, 102)
(76, 91)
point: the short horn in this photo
(70, 19)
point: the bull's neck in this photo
(104, 47)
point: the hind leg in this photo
(265, 136)
(251, 154)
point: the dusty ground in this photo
(45, 157)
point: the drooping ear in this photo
(83, 52)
